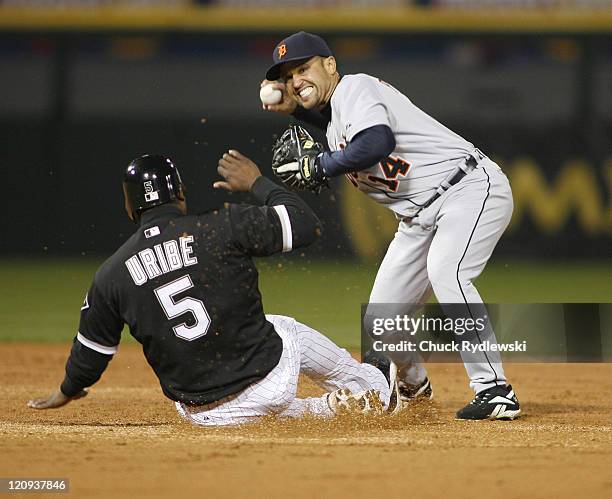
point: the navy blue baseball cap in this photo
(298, 46)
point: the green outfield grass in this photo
(41, 299)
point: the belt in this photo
(456, 176)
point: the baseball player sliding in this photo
(187, 288)
(453, 203)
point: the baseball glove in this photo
(295, 160)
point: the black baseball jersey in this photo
(187, 288)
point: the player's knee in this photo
(444, 279)
(439, 273)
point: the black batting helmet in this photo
(151, 180)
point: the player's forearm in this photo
(312, 117)
(305, 225)
(83, 368)
(366, 149)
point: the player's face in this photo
(311, 82)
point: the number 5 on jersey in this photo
(165, 295)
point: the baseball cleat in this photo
(413, 393)
(395, 401)
(498, 402)
(343, 401)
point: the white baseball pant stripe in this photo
(304, 350)
(445, 249)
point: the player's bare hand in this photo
(238, 171)
(285, 106)
(57, 399)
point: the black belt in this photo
(454, 178)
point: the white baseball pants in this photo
(444, 249)
(304, 350)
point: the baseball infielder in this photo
(453, 203)
(187, 288)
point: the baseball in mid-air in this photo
(270, 95)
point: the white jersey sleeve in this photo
(361, 106)
(425, 151)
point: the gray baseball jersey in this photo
(448, 244)
(425, 153)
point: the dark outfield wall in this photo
(562, 199)
(75, 109)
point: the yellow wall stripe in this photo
(316, 19)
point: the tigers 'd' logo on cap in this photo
(282, 50)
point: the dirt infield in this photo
(126, 439)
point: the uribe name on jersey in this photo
(202, 329)
(150, 263)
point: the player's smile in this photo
(306, 93)
(303, 85)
